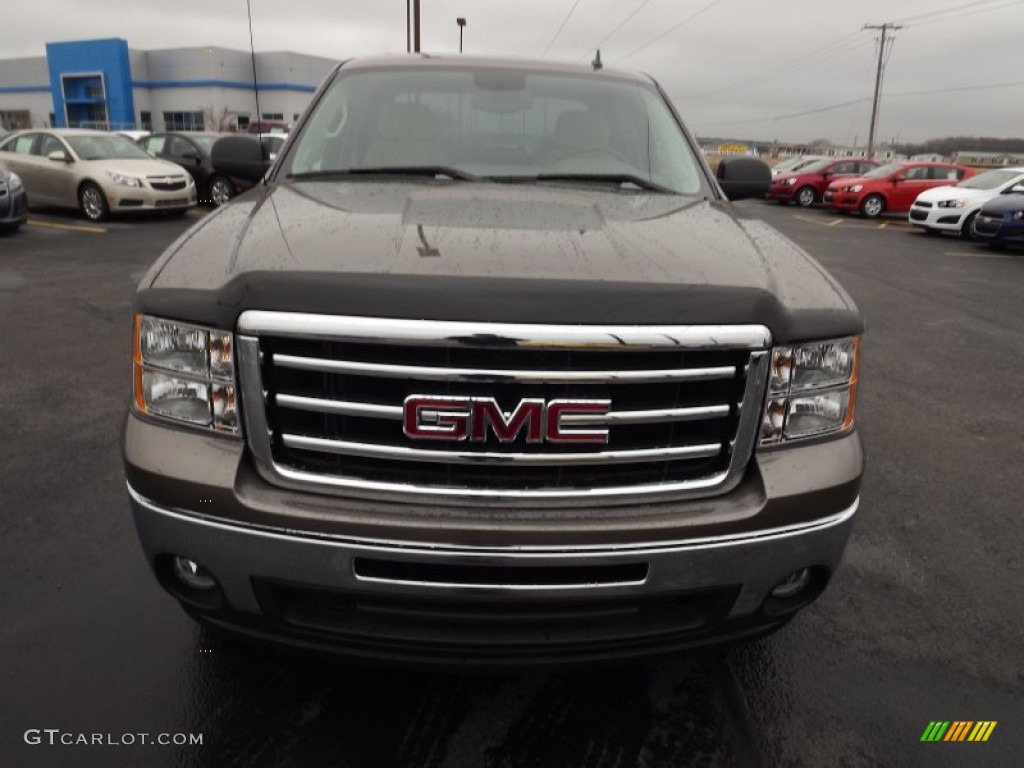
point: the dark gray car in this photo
(490, 372)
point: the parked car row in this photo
(937, 197)
(102, 173)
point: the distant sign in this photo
(738, 149)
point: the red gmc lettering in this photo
(433, 418)
(475, 418)
(529, 413)
(560, 433)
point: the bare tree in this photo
(220, 119)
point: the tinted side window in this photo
(49, 144)
(918, 173)
(849, 167)
(178, 147)
(22, 145)
(155, 144)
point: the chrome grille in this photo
(167, 185)
(323, 399)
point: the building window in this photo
(183, 121)
(146, 121)
(242, 122)
(53, 120)
(295, 117)
(273, 116)
(16, 119)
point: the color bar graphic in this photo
(958, 730)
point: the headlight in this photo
(811, 390)
(789, 182)
(125, 181)
(1018, 215)
(185, 373)
(855, 188)
(14, 182)
(952, 203)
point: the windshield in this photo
(990, 180)
(787, 164)
(813, 165)
(496, 123)
(883, 171)
(106, 147)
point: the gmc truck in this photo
(488, 370)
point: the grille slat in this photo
(437, 373)
(682, 417)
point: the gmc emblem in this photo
(428, 417)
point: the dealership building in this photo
(105, 84)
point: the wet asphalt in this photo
(924, 621)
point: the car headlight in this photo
(14, 182)
(952, 203)
(1017, 215)
(854, 188)
(812, 389)
(184, 373)
(789, 182)
(125, 181)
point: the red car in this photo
(807, 185)
(891, 188)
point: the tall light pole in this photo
(461, 21)
(878, 82)
(416, 25)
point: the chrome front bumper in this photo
(740, 569)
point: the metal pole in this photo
(460, 39)
(408, 28)
(416, 25)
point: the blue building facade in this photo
(91, 82)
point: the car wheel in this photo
(92, 202)
(806, 196)
(872, 206)
(967, 230)
(220, 191)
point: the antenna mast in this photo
(255, 85)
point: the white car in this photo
(953, 208)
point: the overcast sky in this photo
(743, 68)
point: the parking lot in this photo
(923, 622)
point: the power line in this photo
(669, 31)
(793, 66)
(831, 107)
(619, 26)
(965, 14)
(914, 18)
(561, 27)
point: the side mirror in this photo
(59, 156)
(898, 177)
(243, 157)
(743, 177)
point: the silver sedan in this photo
(98, 173)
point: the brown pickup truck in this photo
(489, 370)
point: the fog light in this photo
(793, 584)
(192, 574)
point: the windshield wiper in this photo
(600, 178)
(432, 171)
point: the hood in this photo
(498, 252)
(131, 166)
(845, 181)
(1003, 203)
(951, 192)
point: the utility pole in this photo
(408, 27)
(416, 25)
(878, 81)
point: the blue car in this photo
(13, 201)
(1000, 221)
